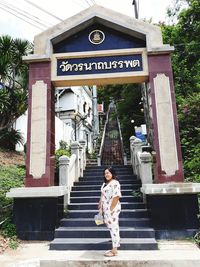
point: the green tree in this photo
(185, 36)
(128, 101)
(189, 121)
(13, 79)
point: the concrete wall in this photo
(62, 131)
(21, 125)
(67, 101)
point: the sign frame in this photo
(100, 78)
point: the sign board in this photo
(98, 65)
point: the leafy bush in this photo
(64, 149)
(9, 137)
(9, 232)
(64, 145)
(8, 229)
(189, 121)
(197, 238)
(92, 155)
(13, 242)
(9, 177)
(137, 193)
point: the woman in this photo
(110, 206)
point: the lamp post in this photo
(75, 114)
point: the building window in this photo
(84, 107)
(89, 112)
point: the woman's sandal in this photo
(110, 253)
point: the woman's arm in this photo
(99, 204)
(114, 203)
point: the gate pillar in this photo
(166, 141)
(40, 146)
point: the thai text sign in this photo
(97, 65)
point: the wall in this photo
(62, 131)
(21, 125)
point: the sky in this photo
(63, 9)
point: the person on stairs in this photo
(110, 207)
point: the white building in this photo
(74, 106)
(74, 117)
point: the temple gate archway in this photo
(100, 46)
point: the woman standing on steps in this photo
(110, 206)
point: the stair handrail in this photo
(67, 174)
(141, 161)
(99, 156)
(122, 143)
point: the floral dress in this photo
(111, 219)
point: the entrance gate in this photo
(100, 46)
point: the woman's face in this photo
(108, 175)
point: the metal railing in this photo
(121, 141)
(99, 156)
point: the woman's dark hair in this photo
(112, 171)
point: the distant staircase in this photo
(77, 229)
(112, 146)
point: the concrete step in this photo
(93, 206)
(83, 181)
(102, 168)
(97, 172)
(89, 222)
(93, 199)
(134, 213)
(98, 187)
(101, 179)
(103, 232)
(97, 193)
(102, 244)
(99, 176)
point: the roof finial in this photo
(136, 7)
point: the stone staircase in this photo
(112, 147)
(77, 229)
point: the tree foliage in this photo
(189, 122)
(13, 79)
(128, 101)
(185, 36)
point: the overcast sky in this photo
(11, 25)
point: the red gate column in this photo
(169, 166)
(41, 127)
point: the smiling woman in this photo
(110, 207)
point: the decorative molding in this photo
(101, 78)
(98, 14)
(24, 192)
(171, 189)
(97, 53)
(166, 130)
(38, 140)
